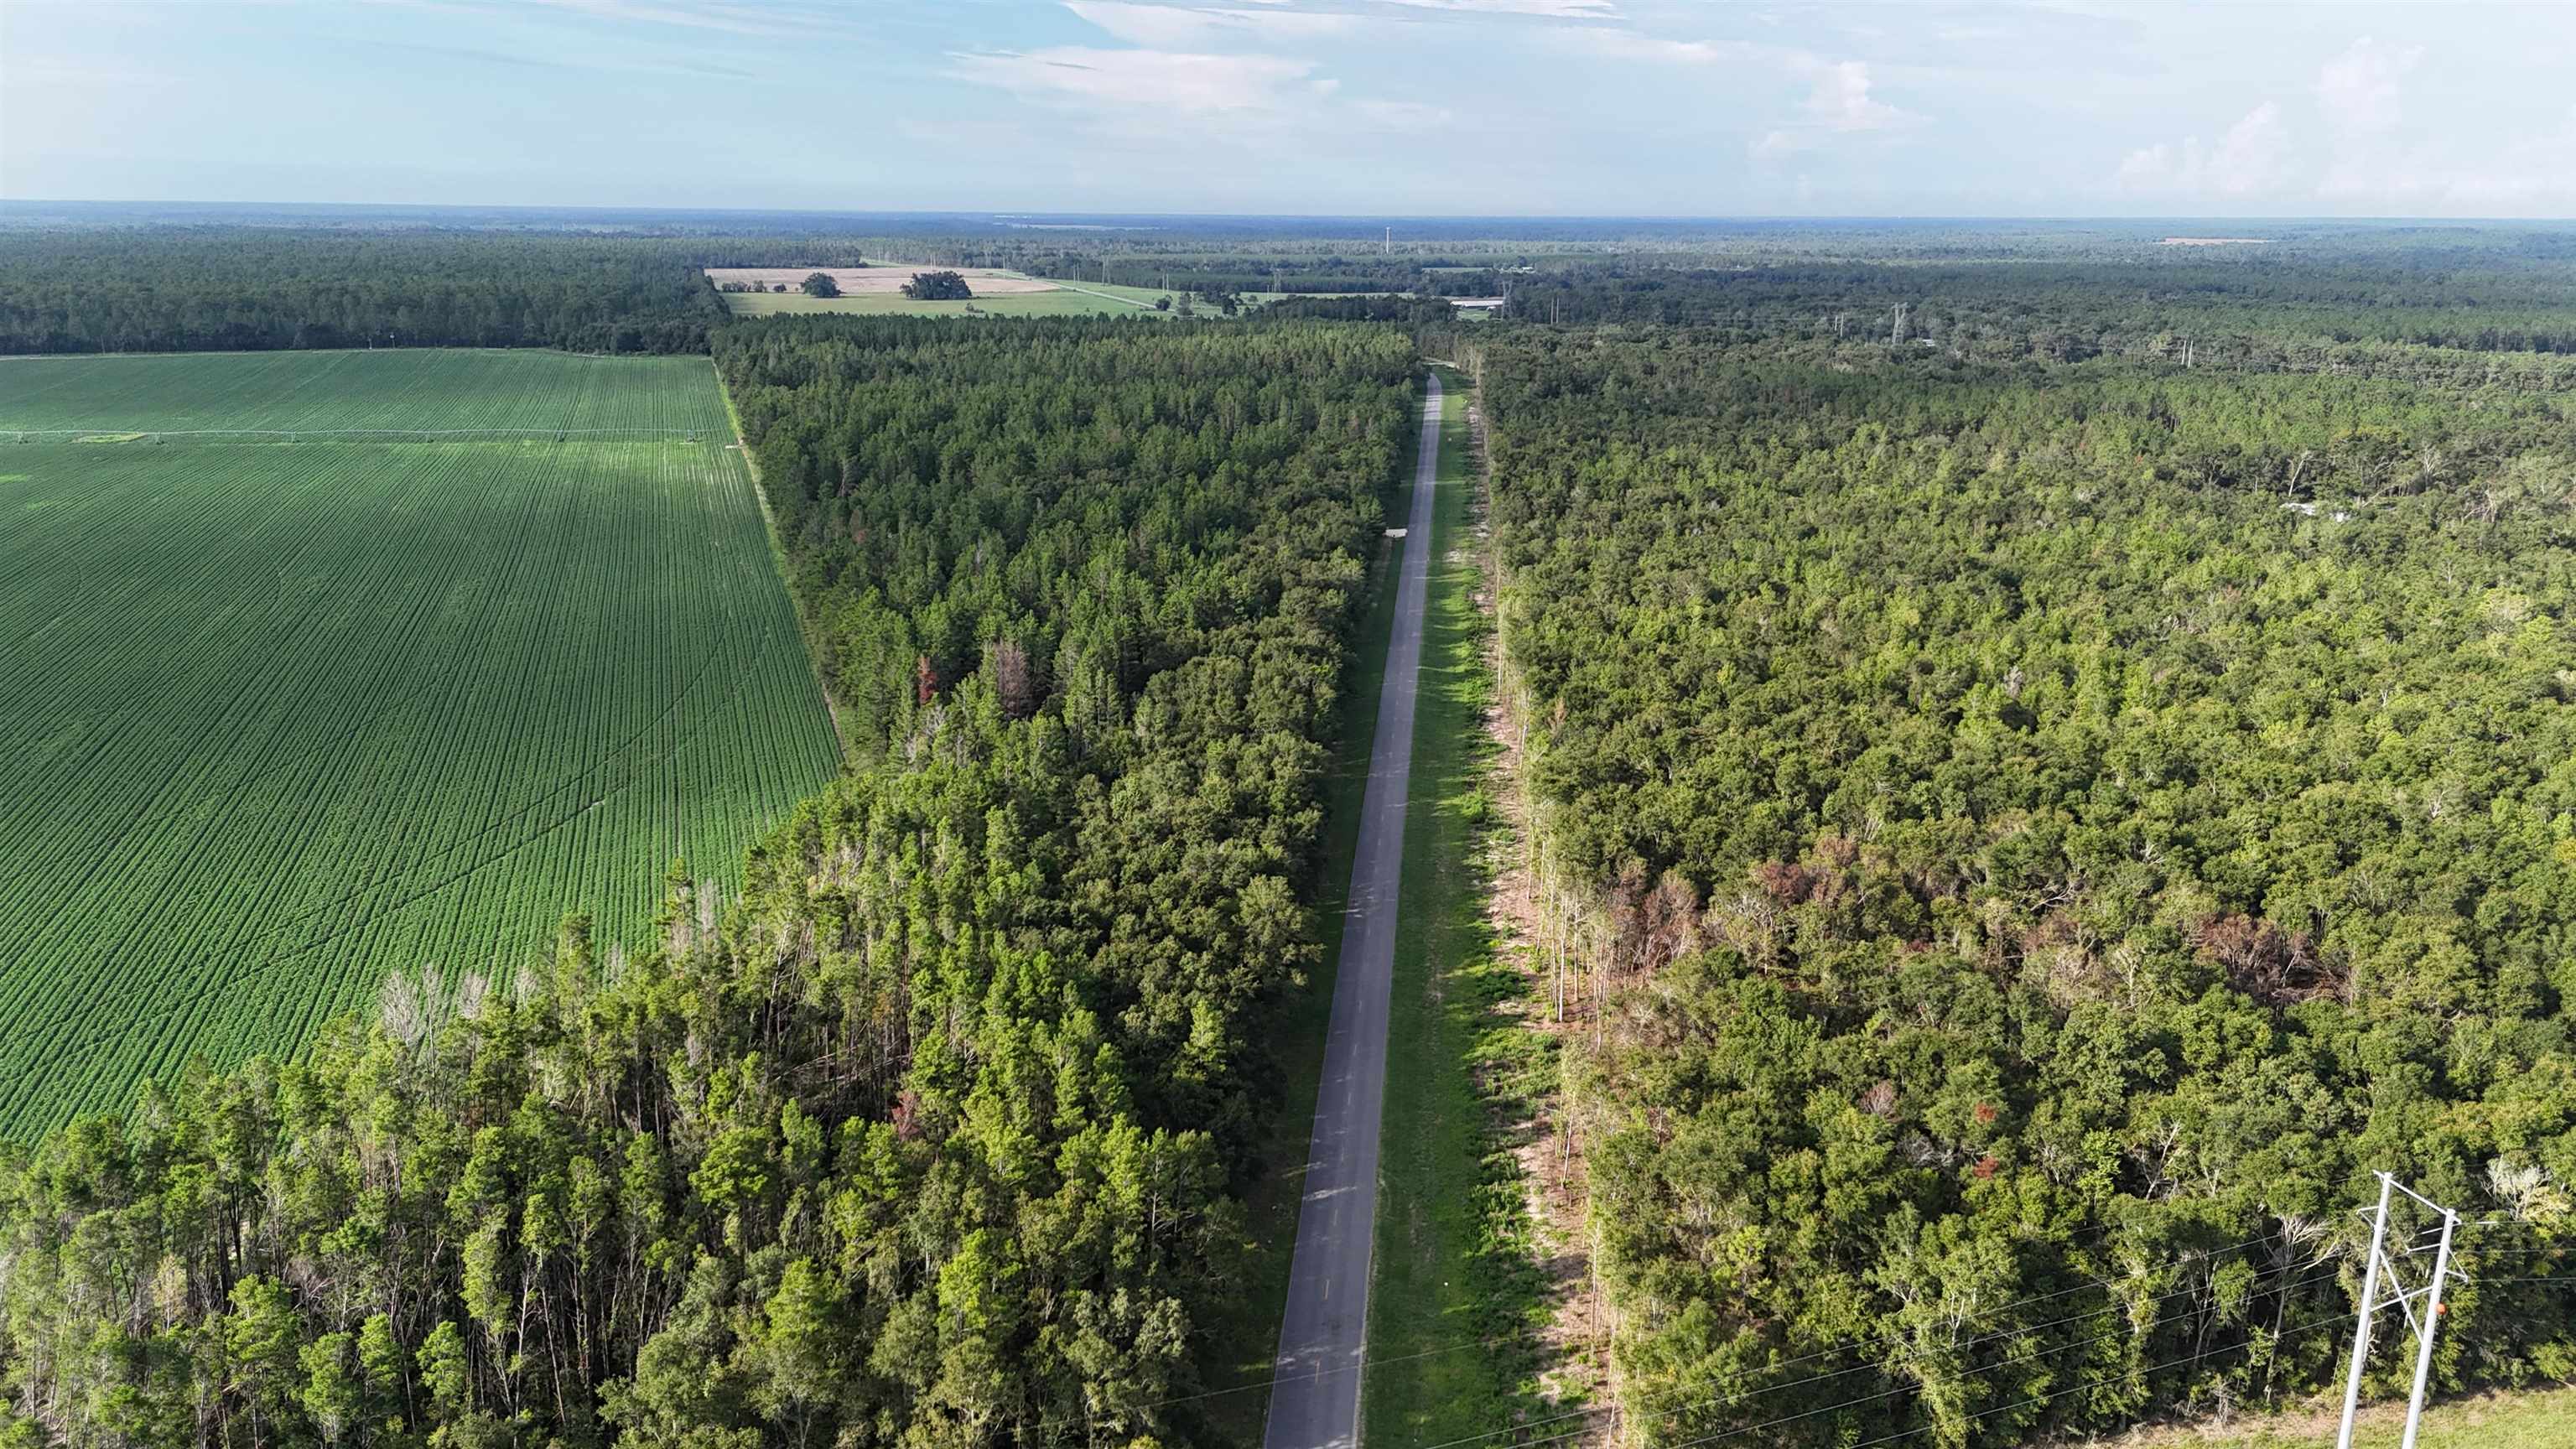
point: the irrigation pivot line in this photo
(2384, 1266)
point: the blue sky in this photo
(1420, 107)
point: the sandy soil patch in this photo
(881, 281)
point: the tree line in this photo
(2245, 308)
(222, 288)
(933, 1135)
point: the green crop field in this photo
(283, 718)
(438, 389)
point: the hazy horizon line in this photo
(1704, 218)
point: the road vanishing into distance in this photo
(1315, 1398)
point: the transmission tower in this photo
(2422, 1305)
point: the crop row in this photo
(389, 388)
(297, 718)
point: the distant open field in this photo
(874, 291)
(1036, 297)
(284, 718)
(1058, 303)
(860, 281)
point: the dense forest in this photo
(612, 282)
(167, 289)
(2230, 307)
(220, 286)
(929, 1138)
(2052, 762)
(2050, 831)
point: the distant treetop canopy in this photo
(938, 287)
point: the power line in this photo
(2197, 1257)
(2202, 1256)
(1917, 1387)
(1674, 1404)
(1495, 1340)
(2314, 1323)
(2310, 1325)
(2425, 1324)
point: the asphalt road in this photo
(1315, 1403)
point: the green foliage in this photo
(820, 284)
(172, 289)
(942, 286)
(2053, 825)
(2487, 289)
(931, 1137)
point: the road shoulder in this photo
(1455, 1309)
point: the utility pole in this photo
(2428, 1297)
(2424, 1327)
(2361, 1329)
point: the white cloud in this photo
(1612, 44)
(1778, 142)
(2254, 156)
(1529, 9)
(731, 16)
(1545, 9)
(2151, 168)
(1219, 64)
(2358, 89)
(1841, 101)
(2359, 94)
(1403, 115)
(1838, 103)
(1134, 80)
(2355, 153)
(2526, 171)
(1180, 27)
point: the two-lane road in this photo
(1315, 1403)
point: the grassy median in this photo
(1454, 1309)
